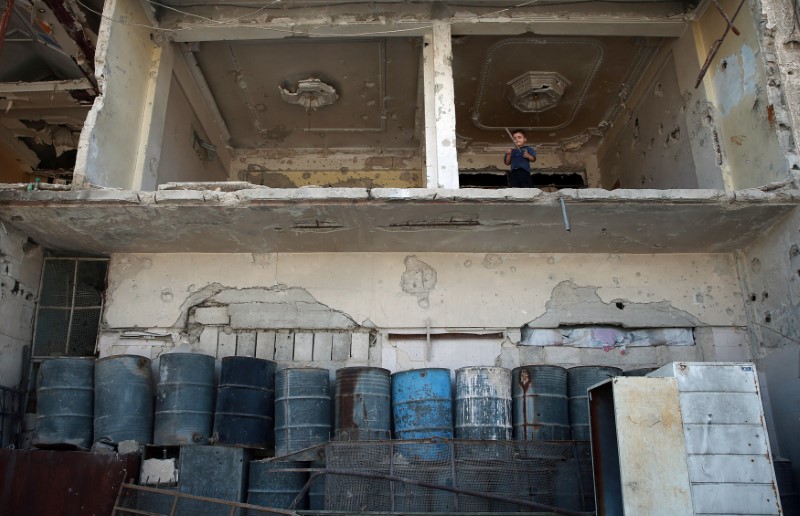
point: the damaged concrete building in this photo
(321, 183)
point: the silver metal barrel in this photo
(302, 409)
(483, 403)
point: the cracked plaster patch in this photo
(274, 308)
(418, 280)
(570, 304)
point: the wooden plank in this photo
(246, 344)
(323, 346)
(341, 346)
(284, 346)
(226, 344)
(265, 345)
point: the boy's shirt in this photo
(517, 161)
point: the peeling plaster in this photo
(418, 279)
(570, 304)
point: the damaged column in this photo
(441, 164)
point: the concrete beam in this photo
(264, 220)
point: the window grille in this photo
(70, 305)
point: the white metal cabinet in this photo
(638, 451)
(728, 453)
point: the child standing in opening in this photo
(519, 161)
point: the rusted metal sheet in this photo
(61, 483)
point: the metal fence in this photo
(454, 476)
(136, 500)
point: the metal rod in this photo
(564, 213)
(4, 23)
(512, 137)
(727, 19)
(715, 46)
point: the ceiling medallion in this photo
(534, 92)
(310, 93)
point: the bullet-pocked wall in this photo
(347, 108)
(20, 269)
(475, 306)
(772, 271)
(722, 134)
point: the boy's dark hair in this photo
(521, 131)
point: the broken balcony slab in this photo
(263, 220)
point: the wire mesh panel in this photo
(70, 306)
(136, 500)
(378, 476)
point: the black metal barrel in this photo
(123, 399)
(579, 379)
(184, 399)
(65, 403)
(245, 409)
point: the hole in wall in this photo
(764, 295)
(753, 297)
(620, 305)
(767, 317)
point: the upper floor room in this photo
(634, 95)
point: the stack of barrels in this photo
(257, 405)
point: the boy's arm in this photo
(530, 156)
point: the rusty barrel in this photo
(65, 402)
(540, 406)
(483, 403)
(245, 408)
(579, 379)
(363, 403)
(123, 399)
(184, 399)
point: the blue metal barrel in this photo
(65, 402)
(316, 493)
(246, 403)
(270, 485)
(363, 403)
(540, 407)
(483, 403)
(302, 409)
(184, 399)
(422, 405)
(123, 399)
(579, 379)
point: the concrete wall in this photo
(20, 269)
(221, 304)
(180, 159)
(771, 268)
(737, 84)
(123, 69)
(667, 137)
